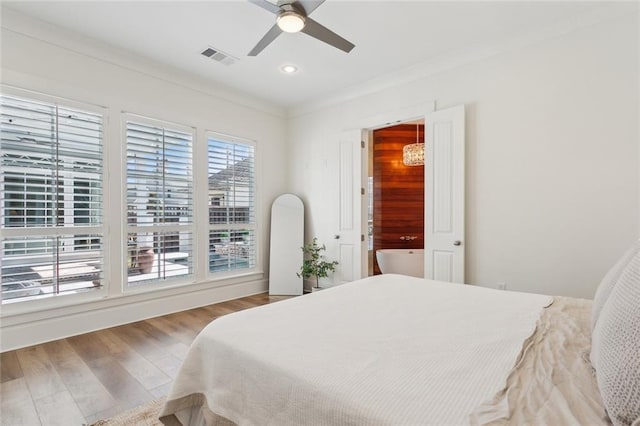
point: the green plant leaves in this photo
(314, 264)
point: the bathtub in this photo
(401, 261)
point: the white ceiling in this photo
(389, 36)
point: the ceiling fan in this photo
(293, 17)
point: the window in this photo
(51, 199)
(159, 201)
(232, 204)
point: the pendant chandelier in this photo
(413, 154)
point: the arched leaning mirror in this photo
(287, 237)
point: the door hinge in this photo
(361, 191)
(361, 237)
(362, 144)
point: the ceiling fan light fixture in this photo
(292, 16)
(290, 21)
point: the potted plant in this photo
(145, 259)
(315, 265)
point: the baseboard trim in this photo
(22, 334)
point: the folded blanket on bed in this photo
(553, 382)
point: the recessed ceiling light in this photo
(289, 69)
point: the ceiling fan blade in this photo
(309, 5)
(322, 33)
(266, 5)
(271, 35)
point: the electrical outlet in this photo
(502, 286)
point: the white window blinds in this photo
(159, 201)
(51, 179)
(232, 204)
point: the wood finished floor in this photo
(82, 379)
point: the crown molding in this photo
(45, 32)
(422, 70)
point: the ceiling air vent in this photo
(218, 56)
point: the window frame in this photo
(255, 226)
(55, 230)
(169, 282)
(114, 209)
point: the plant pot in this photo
(145, 259)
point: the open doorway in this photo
(444, 179)
(395, 201)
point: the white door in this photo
(444, 195)
(350, 234)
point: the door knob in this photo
(457, 242)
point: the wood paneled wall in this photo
(398, 190)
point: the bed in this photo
(398, 350)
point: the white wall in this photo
(45, 59)
(552, 157)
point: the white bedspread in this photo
(388, 349)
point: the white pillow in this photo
(609, 281)
(615, 351)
